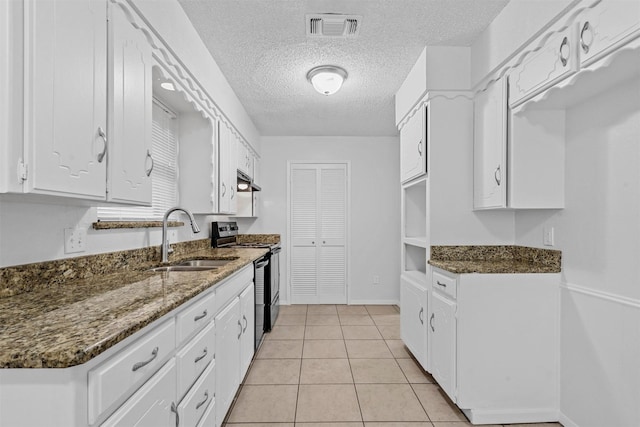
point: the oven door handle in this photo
(262, 264)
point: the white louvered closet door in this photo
(318, 233)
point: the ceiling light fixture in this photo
(327, 79)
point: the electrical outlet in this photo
(376, 279)
(547, 235)
(75, 240)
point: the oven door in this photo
(261, 283)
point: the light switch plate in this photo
(547, 235)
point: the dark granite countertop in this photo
(495, 259)
(66, 324)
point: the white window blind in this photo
(164, 178)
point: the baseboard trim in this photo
(374, 302)
(566, 421)
(511, 416)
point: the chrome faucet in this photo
(166, 248)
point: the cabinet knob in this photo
(104, 150)
(565, 58)
(583, 35)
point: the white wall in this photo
(599, 235)
(519, 22)
(375, 204)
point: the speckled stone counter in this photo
(495, 259)
(68, 323)
(258, 238)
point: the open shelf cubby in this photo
(415, 212)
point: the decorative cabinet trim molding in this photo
(174, 70)
(448, 94)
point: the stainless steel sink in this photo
(206, 262)
(183, 268)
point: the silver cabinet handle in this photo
(439, 283)
(431, 321)
(240, 333)
(200, 316)
(233, 192)
(206, 397)
(174, 409)
(152, 163)
(104, 150)
(202, 356)
(564, 59)
(246, 323)
(139, 365)
(420, 148)
(583, 44)
(497, 175)
(420, 315)
(224, 189)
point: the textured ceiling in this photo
(262, 48)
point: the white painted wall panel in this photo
(375, 204)
(599, 235)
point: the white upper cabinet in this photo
(490, 147)
(245, 159)
(129, 160)
(66, 98)
(605, 27)
(542, 68)
(227, 182)
(413, 147)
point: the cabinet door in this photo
(489, 147)
(608, 23)
(153, 405)
(233, 173)
(543, 68)
(227, 360)
(413, 147)
(413, 313)
(130, 161)
(224, 147)
(247, 340)
(442, 327)
(66, 97)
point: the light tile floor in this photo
(341, 366)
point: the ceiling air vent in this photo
(333, 25)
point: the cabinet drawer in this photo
(196, 402)
(129, 368)
(606, 25)
(232, 288)
(445, 284)
(194, 357)
(209, 417)
(543, 68)
(195, 317)
(152, 404)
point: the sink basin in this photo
(205, 263)
(167, 268)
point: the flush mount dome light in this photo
(327, 79)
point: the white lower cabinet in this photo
(202, 394)
(442, 328)
(152, 405)
(235, 348)
(228, 333)
(493, 344)
(413, 300)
